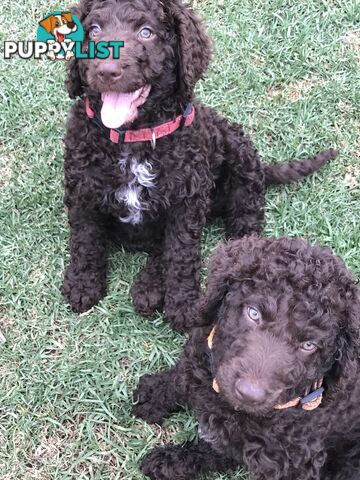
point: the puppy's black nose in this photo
(109, 71)
(250, 391)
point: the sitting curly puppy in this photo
(274, 377)
(145, 165)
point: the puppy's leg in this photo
(301, 459)
(182, 263)
(244, 211)
(148, 290)
(159, 395)
(343, 460)
(85, 279)
(177, 462)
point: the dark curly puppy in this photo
(146, 167)
(274, 377)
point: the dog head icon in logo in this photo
(59, 25)
(60, 30)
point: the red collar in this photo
(144, 134)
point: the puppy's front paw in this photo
(147, 397)
(148, 296)
(163, 464)
(82, 291)
(182, 318)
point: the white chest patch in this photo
(130, 194)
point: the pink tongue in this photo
(118, 108)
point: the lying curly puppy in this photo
(274, 378)
(146, 166)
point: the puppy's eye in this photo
(94, 30)
(308, 346)
(145, 33)
(254, 314)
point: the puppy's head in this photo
(287, 315)
(165, 53)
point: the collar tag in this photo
(153, 139)
(313, 400)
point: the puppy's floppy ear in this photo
(195, 48)
(347, 361)
(217, 285)
(218, 281)
(73, 80)
(235, 260)
(84, 7)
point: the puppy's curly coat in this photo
(287, 317)
(155, 200)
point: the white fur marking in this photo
(130, 194)
(142, 172)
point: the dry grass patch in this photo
(352, 176)
(296, 90)
(353, 40)
(300, 89)
(6, 162)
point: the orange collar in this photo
(311, 400)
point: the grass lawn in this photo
(289, 71)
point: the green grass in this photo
(287, 70)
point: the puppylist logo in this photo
(60, 35)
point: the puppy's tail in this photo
(283, 173)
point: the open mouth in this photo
(60, 37)
(121, 108)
